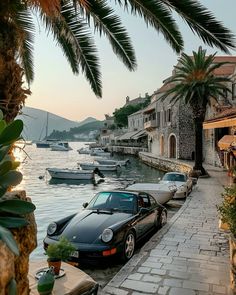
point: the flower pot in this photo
(56, 263)
(46, 283)
(223, 225)
(232, 249)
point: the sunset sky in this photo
(57, 90)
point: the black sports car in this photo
(110, 224)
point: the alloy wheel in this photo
(129, 245)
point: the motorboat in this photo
(99, 152)
(84, 150)
(104, 161)
(70, 173)
(91, 166)
(163, 193)
(61, 146)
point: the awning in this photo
(141, 133)
(127, 135)
(220, 124)
(227, 141)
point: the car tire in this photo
(129, 246)
(163, 219)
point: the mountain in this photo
(35, 121)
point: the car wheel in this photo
(129, 246)
(163, 219)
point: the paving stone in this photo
(114, 291)
(135, 276)
(179, 274)
(219, 289)
(140, 286)
(173, 254)
(173, 282)
(152, 264)
(196, 286)
(174, 248)
(143, 269)
(166, 260)
(181, 291)
(159, 252)
(175, 267)
(160, 272)
(151, 278)
(163, 290)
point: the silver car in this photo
(181, 181)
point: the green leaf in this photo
(11, 132)
(17, 206)
(3, 190)
(11, 178)
(3, 125)
(5, 167)
(7, 237)
(3, 151)
(12, 287)
(13, 222)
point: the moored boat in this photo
(104, 161)
(83, 150)
(161, 192)
(61, 146)
(91, 166)
(70, 173)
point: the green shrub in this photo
(228, 208)
(11, 210)
(60, 250)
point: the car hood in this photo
(86, 227)
(176, 183)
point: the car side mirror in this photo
(85, 205)
(143, 210)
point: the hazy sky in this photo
(57, 90)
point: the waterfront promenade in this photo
(189, 256)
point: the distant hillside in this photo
(35, 123)
(85, 132)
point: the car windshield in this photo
(174, 177)
(114, 201)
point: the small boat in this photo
(104, 161)
(161, 192)
(70, 173)
(61, 146)
(100, 153)
(85, 151)
(91, 166)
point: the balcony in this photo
(150, 125)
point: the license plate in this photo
(75, 254)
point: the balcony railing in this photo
(150, 124)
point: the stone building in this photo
(136, 101)
(169, 127)
(135, 121)
(220, 124)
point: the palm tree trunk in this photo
(198, 126)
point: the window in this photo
(233, 90)
(158, 119)
(144, 201)
(168, 115)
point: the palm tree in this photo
(70, 21)
(194, 82)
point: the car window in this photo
(114, 201)
(174, 177)
(144, 201)
(153, 202)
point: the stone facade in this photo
(170, 128)
(135, 121)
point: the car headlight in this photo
(182, 188)
(107, 235)
(52, 228)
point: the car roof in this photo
(137, 193)
(175, 173)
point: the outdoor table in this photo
(74, 282)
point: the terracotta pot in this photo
(232, 249)
(56, 264)
(223, 225)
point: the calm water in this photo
(57, 200)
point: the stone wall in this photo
(129, 150)
(12, 266)
(164, 164)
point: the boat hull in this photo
(70, 174)
(159, 192)
(85, 166)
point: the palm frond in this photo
(158, 15)
(25, 23)
(105, 21)
(203, 22)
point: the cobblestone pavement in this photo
(189, 256)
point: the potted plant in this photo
(228, 214)
(57, 252)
